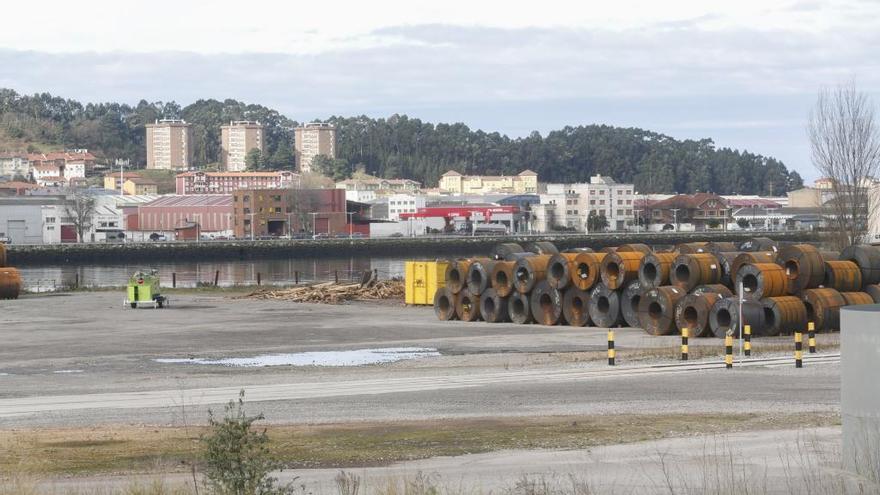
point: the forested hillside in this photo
(404, 147)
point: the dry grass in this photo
(53, 452)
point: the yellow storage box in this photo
(423, 278)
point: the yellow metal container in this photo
(423, 278)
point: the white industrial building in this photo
(569, 205)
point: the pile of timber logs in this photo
(333, 293)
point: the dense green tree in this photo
(400, 146)
(254, 159)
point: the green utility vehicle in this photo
(143, 290)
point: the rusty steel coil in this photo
(868, 260)
(518, 308)
(529, 271)
(493, 308)
(845, 276)
(691, 270)
(692, 312)
(724, 317)
(444, 304)
(559, 269)
(502, 277)
(10, 283)
(586, 270)
(750, 258)
(759, 244)
(725, 261)
(619, 268)
(874, 291)
(784, 315)
(604, 306)
(857, 298)
(541, 247)
(719, 289)
(546, 304)
(803, 266)
(467, 306)
(457, 273)
(762, 280)
(608, 249)
(823, 307)
(718, 247)
(479, 276)
(575, 307)
(630, 297)
(657, 309)
(506, 250)
(3, 259)
(654, 269)
(691, 247)
(664, 248)
(635, 247)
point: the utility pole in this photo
(675, 217)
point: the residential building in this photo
(312, 140)
(169, 145)
(229, 182)
(452, 182)
(568, 206)
(369, 188)
(237, 139)
(700, 211)
(280, 212)
(113, 182)
(14, 165)
(404, 203)
(809, 197)
(212, 212)
(139, 186)
(16, 188)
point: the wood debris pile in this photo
(333, 293)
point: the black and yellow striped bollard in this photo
(728, 351)
(747, 340)
(811, 337)
(798, 349)
(611, 351)
(684, 343)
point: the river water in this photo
(190, 274)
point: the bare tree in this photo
(80, 210)
(845, 144)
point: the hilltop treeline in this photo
(400, 146)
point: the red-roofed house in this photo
(701, 210)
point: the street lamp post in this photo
(350, 225)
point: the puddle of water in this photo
(67, 371)
(357, 357)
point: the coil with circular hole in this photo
(529, 271)
(823, 308)
(691, 270)
(845, 276)
(657, 309)
(559, 269)
(760, 280)
(546, 304)
(750, 258)
(604, 306)
(784, 315)
(868, 260)
(619, 268)
(654, 269)
(585, 273)
(493, 308)
(457, 273)
(444, 304)
(502, 277)
(630, 296)
(692, 312)
(467, 306)
(803, 266)
(479, 276)
(575, 307)
(724, 317)
(519, 308)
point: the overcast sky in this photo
(744, 73)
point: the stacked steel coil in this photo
(654, 269)
(691, 270)
(10, 278)
(844, 276)
(620, 267)
(695, 287)
(803, 265)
